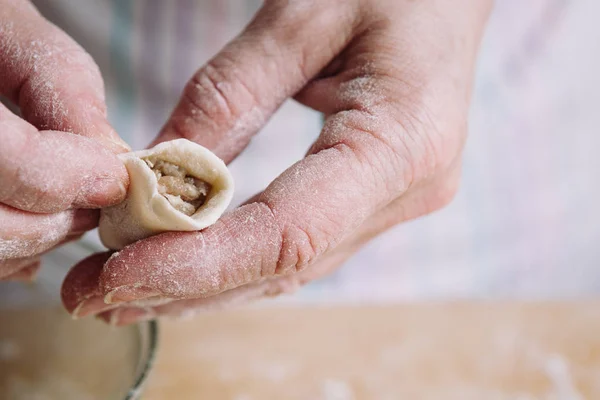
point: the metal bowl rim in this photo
(142, 376)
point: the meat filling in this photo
(185, 192)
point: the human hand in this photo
(57, 160)
(393, 78)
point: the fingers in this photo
(186, 308)
(380, 142)
(231, 298)
(423, 199)
(231, 97)
(426, 50)
(29, 246)
(52, 171)
(80, 292)
(15, 269)
(24, 274)
(359, 165)
(309, 209)
(53, 80)
(24, 234)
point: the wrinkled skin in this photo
(57, 159)
(393, 78)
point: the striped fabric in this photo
(526, 221)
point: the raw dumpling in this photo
(175, 186)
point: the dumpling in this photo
(174, 186)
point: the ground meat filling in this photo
(185, 192)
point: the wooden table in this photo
(460, 351)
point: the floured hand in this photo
(57, 159)
(393, 78)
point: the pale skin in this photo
(393, 78)
(57, 161)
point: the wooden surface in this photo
(432, 351)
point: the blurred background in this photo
(525, 225)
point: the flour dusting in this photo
(25, 234)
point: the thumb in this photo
(55, 83)
(235, 93)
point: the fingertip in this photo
(125, 274)
(126, 316)
(90, 306)
(241, 247)
(81, 283)
(107, 184)
(26, 274)
(58, 171)
(129, 293)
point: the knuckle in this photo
(210, 95)
(417, 142)
(219, 98)
(401, 147)
(376, 142)
(298, 250)
(59, 58)
(388, 116)
(430, 145)
(433, 142)
(298, 246)
(61, 78)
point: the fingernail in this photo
(126, 316)
(101, 192)
(92, 305)
(113, 319)
(130, 293)
(133, 315)
(154, 301)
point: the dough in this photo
(175, 186)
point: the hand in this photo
(393, 78)
(57, 161)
